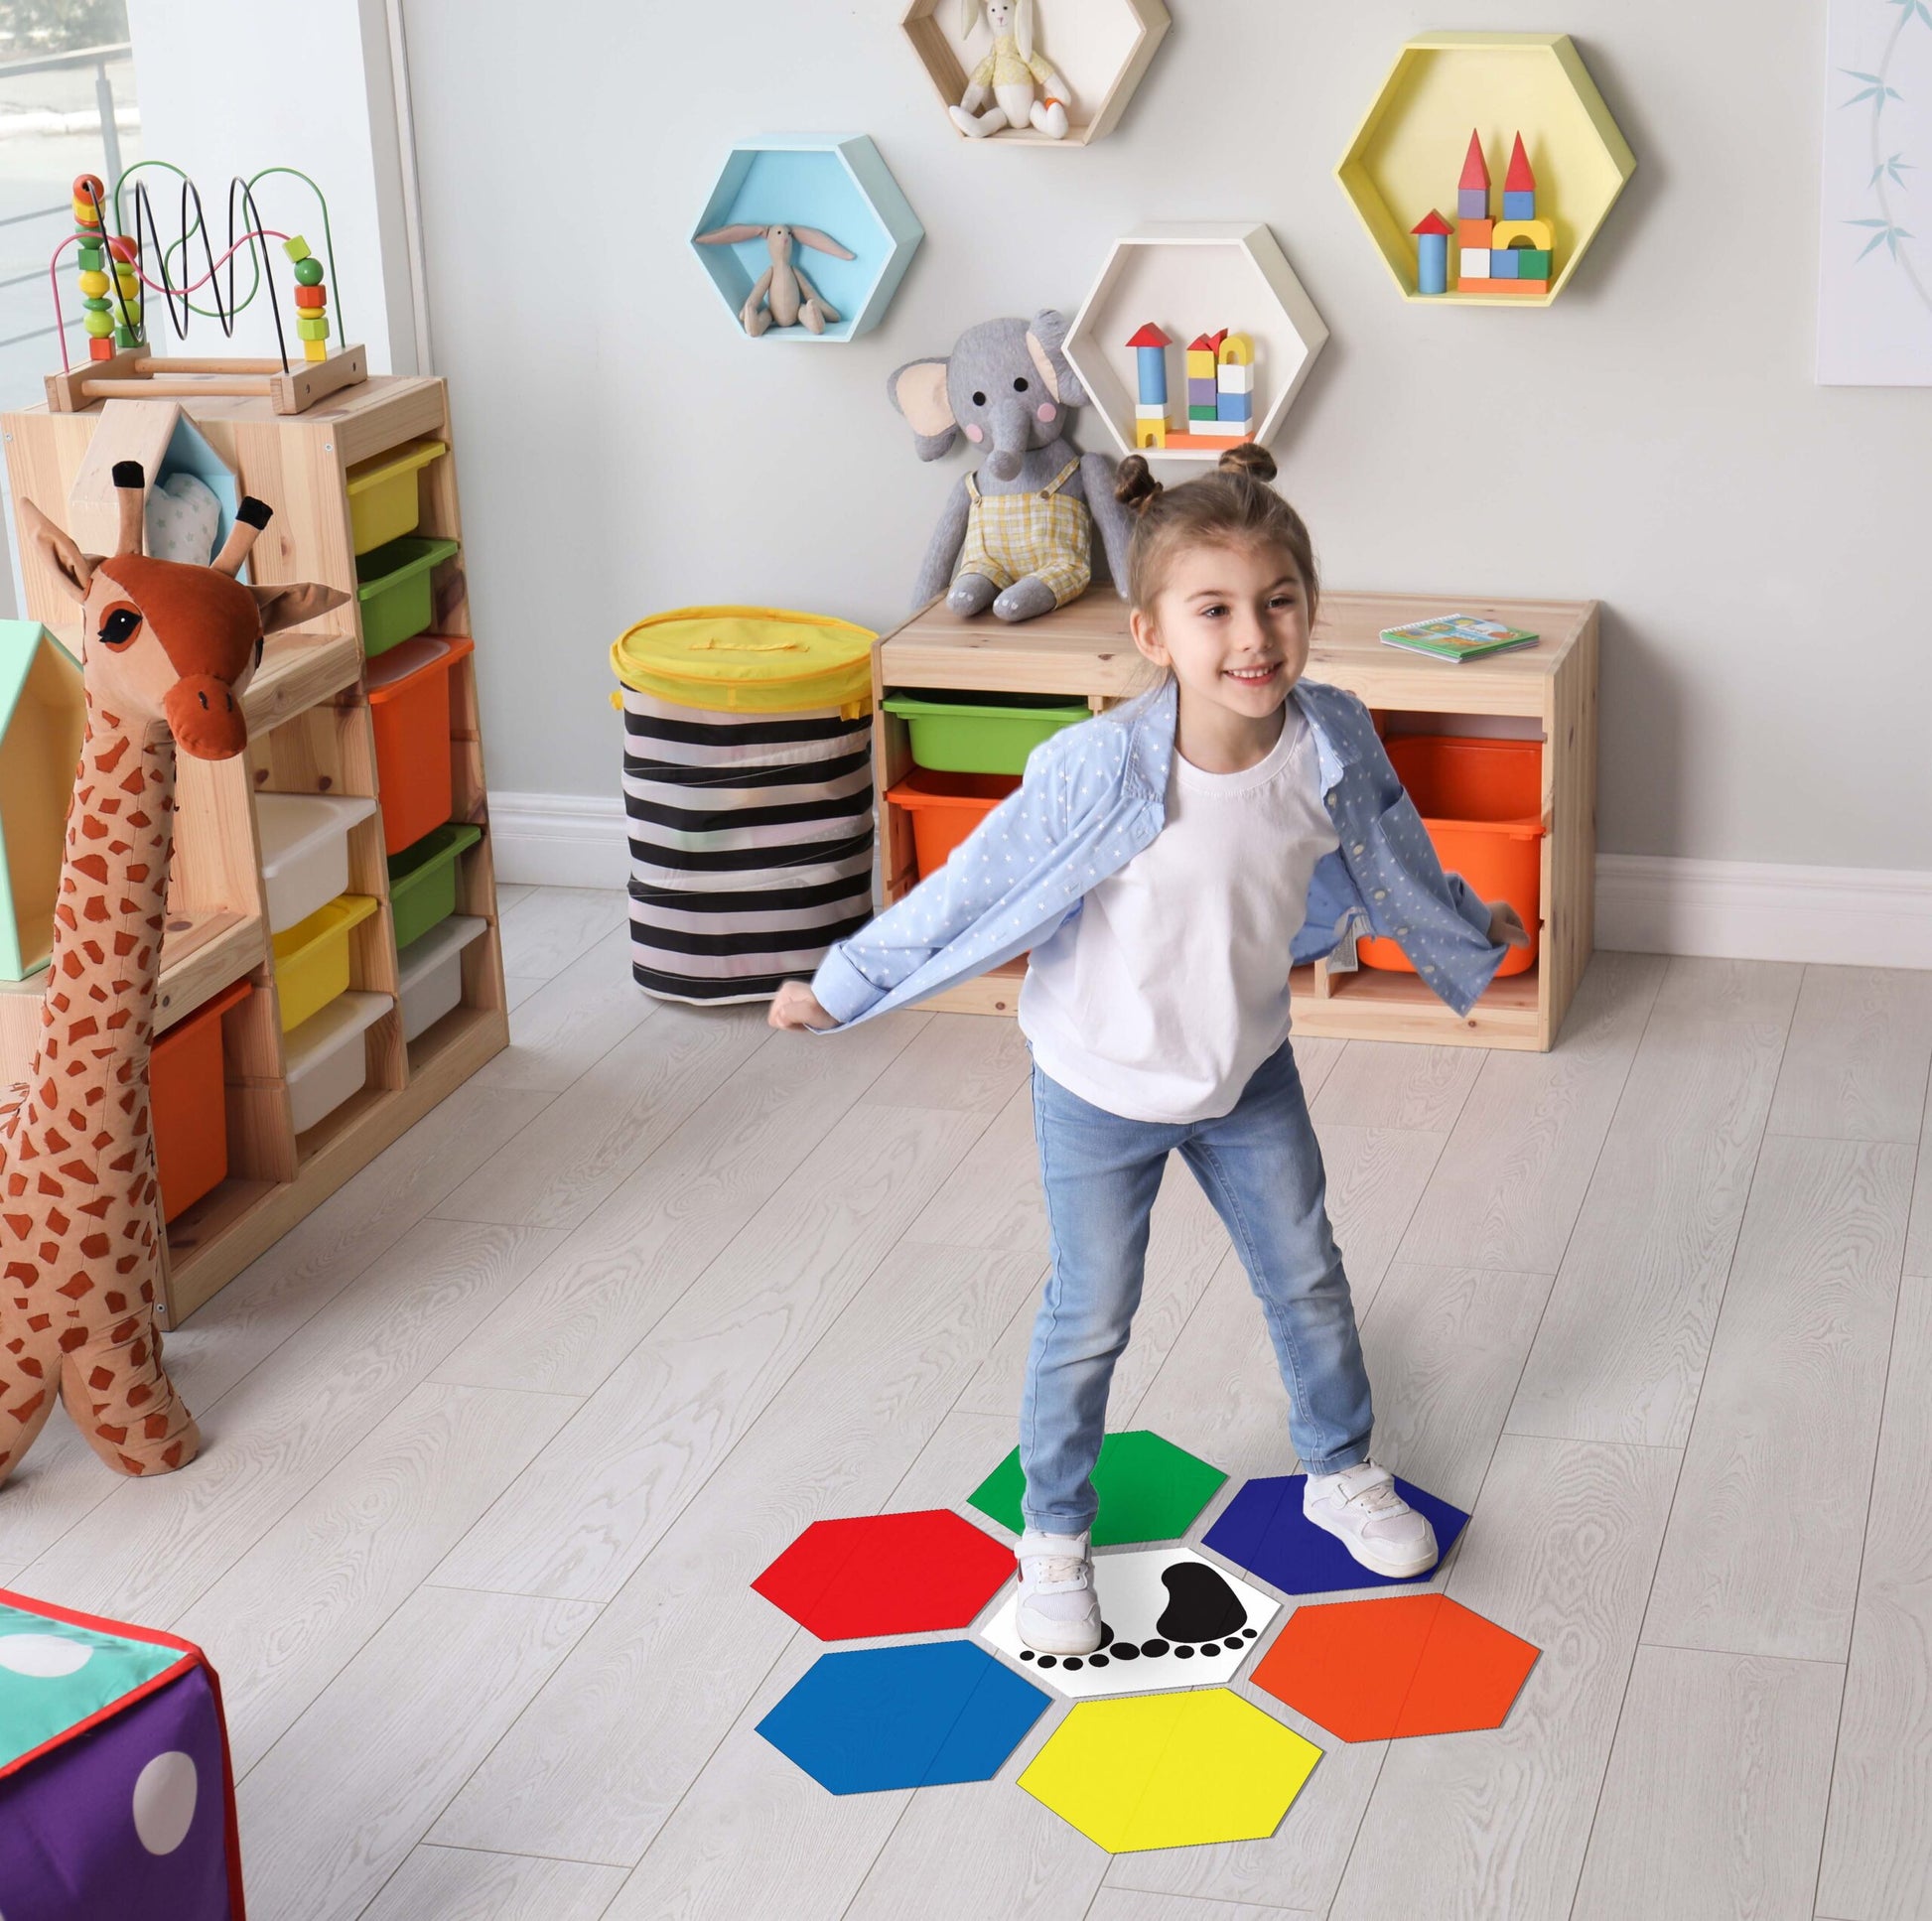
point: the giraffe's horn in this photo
(131, 483)
(249, 519)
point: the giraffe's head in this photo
(166, 643)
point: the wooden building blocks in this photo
(1432, 233)
(1509, 256)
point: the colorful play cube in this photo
(1503, 264)
(1520, 206)
(117, 1792)
(1533, 263)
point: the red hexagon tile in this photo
(886, 1574)
(1409, 1663)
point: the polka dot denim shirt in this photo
(1094, 795)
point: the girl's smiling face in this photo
(1231, 621)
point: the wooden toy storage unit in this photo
(310, 732)
(1084, 650)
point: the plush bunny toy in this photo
(1010, 73)
(782, 296)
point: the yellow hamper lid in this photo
(748, 660)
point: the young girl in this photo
(1163, 864)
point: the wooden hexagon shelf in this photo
(1101, 48)
(1408, 156)
(836, 183)
(1189, 279)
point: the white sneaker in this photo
(1058, 1612)
(1363, 1510)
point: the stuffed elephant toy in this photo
(1015, 534)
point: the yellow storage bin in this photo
(746, 660)
(384, 502)
(312, 958)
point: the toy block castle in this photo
(1506, 256)
(1221, 390)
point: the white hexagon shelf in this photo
(1189, 280)
(835, 183)
(1101, 48)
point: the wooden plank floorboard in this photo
(605, 1753)
(1762, 1552)
(578, 1520)
(992, 1199)
(1511, 1180)
(1386, 1083)
(460, 1884)
(1622, 1349)
(584, 1310)
(1855, 1066)
(1879, 1839)
(1129, 1904)
(561, 1166)
(565, 1026)
(417, 1708)
(294, 1610)
(550, 927)
(154, 1546)
(1714, 1803)
(1493, 1827)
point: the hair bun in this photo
(1135, 485)
(1251, 458)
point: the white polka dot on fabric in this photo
(43, 1657)
(165, 1794)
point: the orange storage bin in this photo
(1482, 803)
(945, 808)
(409, 706)
(189, 1104)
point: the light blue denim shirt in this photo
(1094, 795)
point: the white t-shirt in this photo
(1161, 998)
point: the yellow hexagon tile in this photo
(1178, 1770)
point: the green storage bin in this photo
(394, 590)
(422, 880)
(981, 732)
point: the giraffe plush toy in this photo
(166, 648)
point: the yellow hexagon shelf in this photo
(1101, 48)
(1407, 158)
(1178, 1770)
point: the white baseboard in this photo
(1853, 916)
(1736, 909)
(559, 840)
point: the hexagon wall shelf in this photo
(1170, 1770)
(1406, 157)
(1101, 48)
(1189, 279)
(836, 183)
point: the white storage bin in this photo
(327, 1062)
(305, 852)
(431, 970)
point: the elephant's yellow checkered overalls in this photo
(1046, 534)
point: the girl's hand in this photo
(796, 1005)
(1506, 926)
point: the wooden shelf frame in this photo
(1551, 689)
(1406, 155)
(1192, 277)
(310, 732)
(1101, 48)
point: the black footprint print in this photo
(1200, 1607)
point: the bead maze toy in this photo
(1507, 256)
(1221, 390)
(115, 267)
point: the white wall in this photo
(227, 87)
(1654, 440)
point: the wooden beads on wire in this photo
(311, 300)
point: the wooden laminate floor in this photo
(498, 1438)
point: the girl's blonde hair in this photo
(1233, 504)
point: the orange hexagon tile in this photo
(1412, 1664)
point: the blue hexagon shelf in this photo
(836, 183)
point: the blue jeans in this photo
(1261, 1168)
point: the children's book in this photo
(1458, 636)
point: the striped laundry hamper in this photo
(747, 796)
